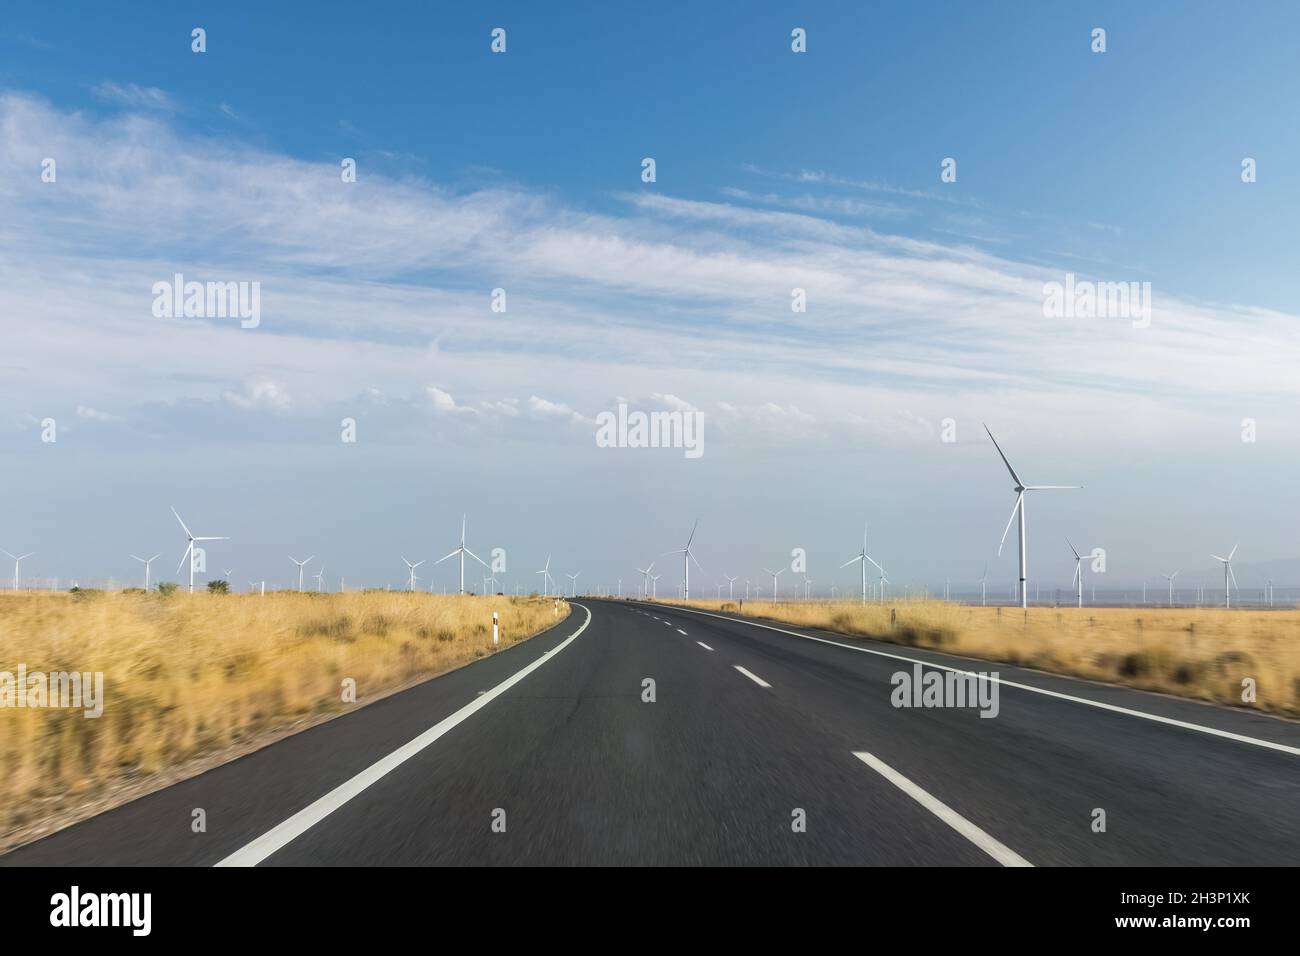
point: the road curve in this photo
(751, 746)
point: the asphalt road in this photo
(750, 731)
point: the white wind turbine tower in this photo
(1170, 579)
(573, 583)
(620, 588)
(1227, 575)
(462, 551)
(687, 558)
(411, 570)
(320, 576)
(17, 560)
(146, 564)
(1018, 509)
(189, 549)
(546, 575)
(731, 587)
(654, 586)
(301, 565)
(984, 587)
(1077, 580)
(774, 577)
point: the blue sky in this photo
(522, 171)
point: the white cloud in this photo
(134, 97)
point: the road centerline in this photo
(754, 677)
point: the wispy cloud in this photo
(134, 97)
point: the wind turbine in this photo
(807, 585)
(1077, 580)
(319, 576)
(18, 558)
(573, 583)
(189, 549)
(864, 558)
(645, 578)
(146, 567)
(1018, 509)
(546, 574)
(1227, 574)
(1170, 579)
(654, 586)
(774, 577)
(411, 569)
(301, 565)
(462, 551)
(731, 587)
(984, 587)
(687, 558)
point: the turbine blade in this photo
(1006, 531)
(445, 557)
(1019, 483)
(476, 557)
(1052, 487)
(692, 537)
(183, 558)
(1073, 548)
(1233, 574)
(1233, 551)
(178, 518)
(853, 560)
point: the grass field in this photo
(188, 677)
(1202, 653)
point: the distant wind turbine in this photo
(320, 579)
(863, 557)
(1227, 575)
(687, 558)
(654, 586)
(411, 569)
(1170, 579)
(731, 587)
(546, 575)
(301, 565)
(1077, 580)
(774, 574)
(573, 583)
(190, 550)
(462, 551)
(984, 587)
(17, 560)
(146, 564)
(645, 579)
(1018, 509)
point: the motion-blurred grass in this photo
(1203, 653)
(188, 676)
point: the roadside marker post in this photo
(496, 633)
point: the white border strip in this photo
(306, 818)
(990, 845)
(1114, 708)
(754, 677)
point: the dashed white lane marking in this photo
(310, 815)
(993, 847)
(703, 645)
(681, 632)
(754, 677)
(1114, 708)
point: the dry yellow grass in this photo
(192, 675)
(1203, 653)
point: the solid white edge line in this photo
(990, 845)
(1115, 708)
(306, 818)
(703, 645)
(754, 677)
